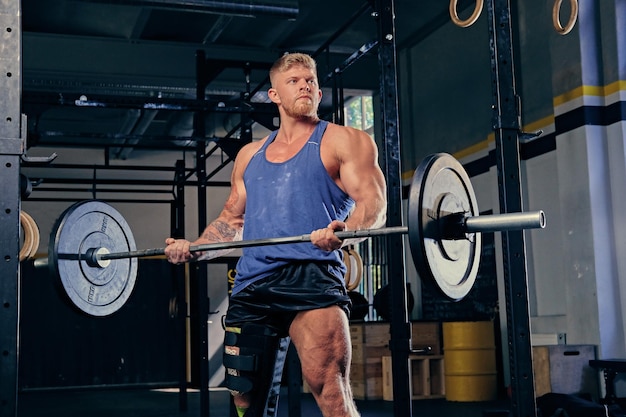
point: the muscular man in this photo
(309, 176)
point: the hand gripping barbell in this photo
(92, 250)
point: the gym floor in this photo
(157, 403)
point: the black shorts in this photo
(276, 299)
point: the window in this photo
(359, 113)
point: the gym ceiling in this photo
(103, 72)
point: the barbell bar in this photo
(99, 257)
(92, 249)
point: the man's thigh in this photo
(322, 339)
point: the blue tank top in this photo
(289, 198)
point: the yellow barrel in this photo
(469, 357)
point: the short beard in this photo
(302, 111)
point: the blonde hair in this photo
(289, 60)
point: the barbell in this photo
(92, 251)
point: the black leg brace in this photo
(257, 369)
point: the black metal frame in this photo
(198, 271)
(507, 128)
(11, 149)
(400, 343)
(178, 230)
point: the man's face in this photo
(296, 91)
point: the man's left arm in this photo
(364, 182)
(362, 179)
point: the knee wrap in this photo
(257, 369)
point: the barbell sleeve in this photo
(506, 222)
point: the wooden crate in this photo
(565, 369)
(366, 380)
(541, 370)
(370, 342)
(426, 334)
(377, 335)
(426, 373)
(370, 334)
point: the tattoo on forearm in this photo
(224, 232)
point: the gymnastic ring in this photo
(36, 237)
(35, 233)
(348, 255)
(348, 263)
(469, 21)
(31, 237)
(359, 269)
(573, 15)
(172, 308)
(27, 244)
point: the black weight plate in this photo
(441, 186)
(97, 291)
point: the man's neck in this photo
(291, 129)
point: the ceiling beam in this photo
(287, 9)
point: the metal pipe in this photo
(287, 9)
(483, 224)
(506, 222)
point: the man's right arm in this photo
(227, 227)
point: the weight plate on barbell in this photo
(441, 187)
(95, 290)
